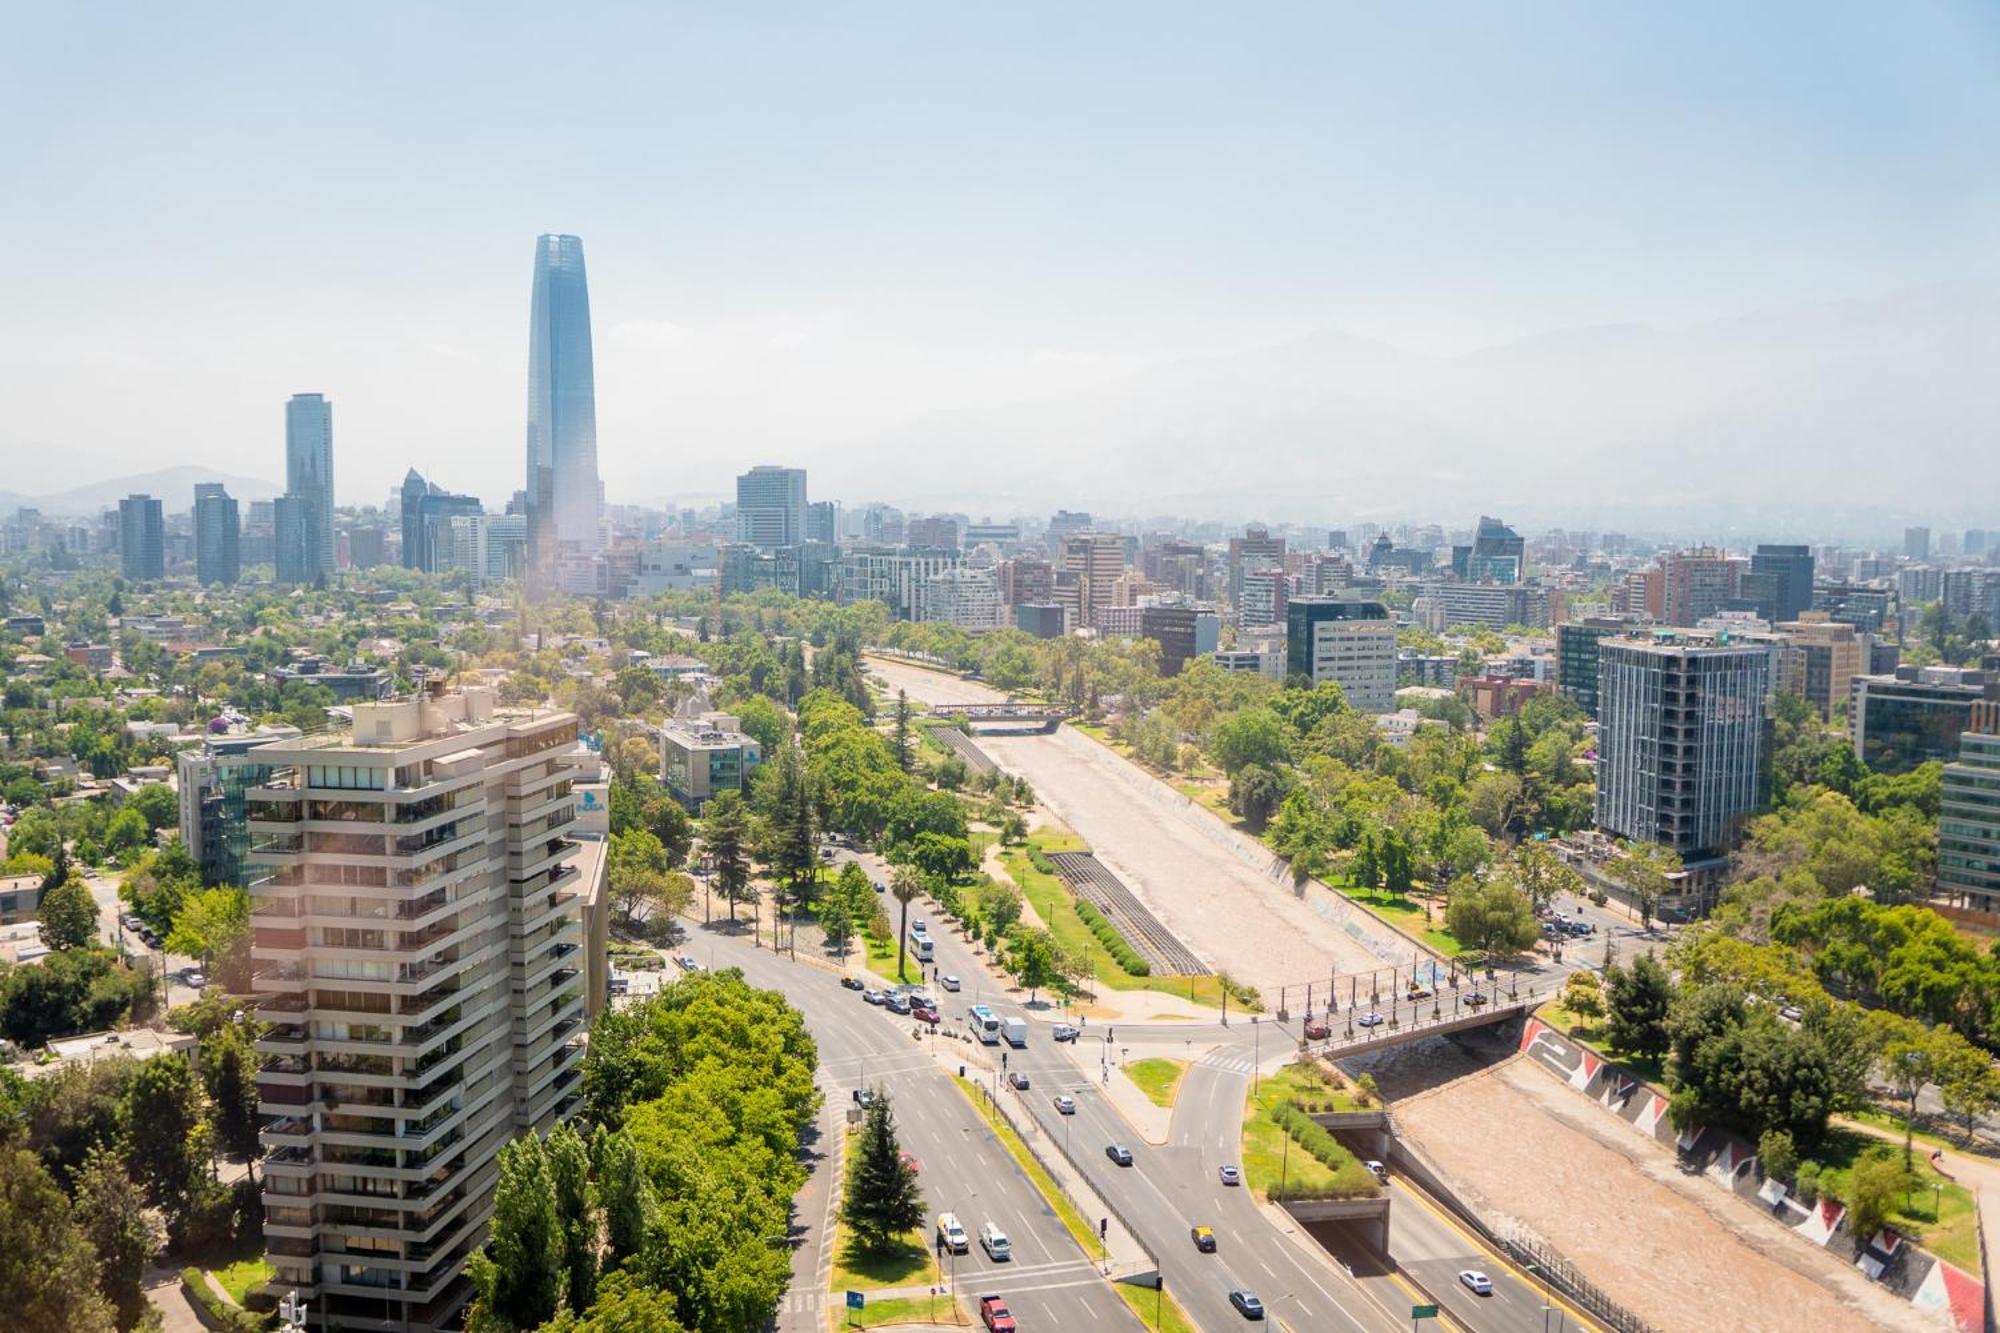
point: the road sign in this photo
(1416, 1311)
(857, 1301)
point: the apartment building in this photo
(418, 929)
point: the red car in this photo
(993, 1313)
(925, 1014)
(1317, 1029)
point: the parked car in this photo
(1246, 1303)
(1204, 1239)
(1371, 1019)
(1065, 1105)
(1317, 1030)
(1065, 1032)
(1476, 1282)
(195, 978)
(948, 982)
(1118, 1153)
(854, 983)
(1230, 1175)
(994, 1241)
(994, 1314)
(1018, 1081)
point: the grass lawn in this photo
(1171, 1318)
(1080, 1231)
(905, 1262)
(903, 1310)
(244, 1276)
(1158, 1078)
(1404, 912)
(1265, 1159)
(881, 953)
(1943, 1221)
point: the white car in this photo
(1476, 1282)
(1065, 1105)
(1230, 1175)
(195, 978)
(994, 1241)
(948, 982)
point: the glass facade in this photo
(309, 480)
(1968, 870)
(1899, 725)
(563, 497)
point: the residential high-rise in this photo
(418, 945)
(1696, 585)
(309, 477)
(1255, 549)
(1348, 640)
(142, 539)
(1917, 543)
(218, 534)
(563, 495)
(1095, 560)
(771, 507)
(1968, 865)
(1792, 568)
(1681, 740)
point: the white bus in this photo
(920, 944)
(985, 1025)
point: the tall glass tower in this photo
(563, 496)
(309, 478)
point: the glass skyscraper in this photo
(309, 478)
(217, 534)
(563, 498)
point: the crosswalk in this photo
(1229, 1059)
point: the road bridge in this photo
(1039, 717)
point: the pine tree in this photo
(725, 833)
(902, 731)
(883, 1200)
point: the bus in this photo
(985, 1025)
(920, 944)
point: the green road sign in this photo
(1423, 1312)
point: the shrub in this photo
(1352, 1179)
(1778, 1155)
(1806, 1182)
(216, 1312)
(1040, 861)
(1114, 942)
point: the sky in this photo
(807, 225)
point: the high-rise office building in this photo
(771, 507)
(1348, 640)
(309, 477)
(421, 972)
(1917, 714)
(1497, 554)
(563, 496)
(1576, 655)
(823, 522)
(142, 539)
(1917, 543)
(427, 513)
(1095, 560)
(1681, 740)
(1792, 569)
(292, 540)
(1968, 865)
(218, 535)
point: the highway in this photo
(963, 1168)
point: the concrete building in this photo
(704, 752)
(1968, 869)
(1576, 655)
(1866, 607)
(417, 932)
(966, 598)
(1496, 697)
(1697, 584)
(1348, 640)
(771, 507)
(217, 535)
(142, 539)
(1255, 549)
(1917, 543)
(1918, 714)
(1025, 580)
(1097, 560)
(1494, 605)
(823, 522)
(1682, 744)
(1264, 594)
(20, 898)
(893, 577)
(677, 566)
(1820, 660)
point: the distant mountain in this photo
(174, 486)
(1841, 417)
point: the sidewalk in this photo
(1150, 1122)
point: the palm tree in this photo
(906, 884)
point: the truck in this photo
(1015, 1030)
(994, 1314)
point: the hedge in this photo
(1316, 1141)
(1114, 942)
(215, 1310)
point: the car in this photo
(1204, 1239)
(951, 1234)
(195, 978)
(853, 983)
(826, 853)
(1316, 1029)
(1246, 1303)
(924, 1013)
(864, 1096)
(880, 887)
(1475, 999)
(1018, 1081)
(1380, 1171)
(1371, 1019)
(897, 1004)
(872, 997)
(687, 963)
(1065, 1032)
(1065, 1105)
(994, 1314)
(1553, 930)
(1476, 1282)
(994, 1241)
(618, 986)
(948, 982)
(1230, 1175)
(1418, 993)
(1118, 1153)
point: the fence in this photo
(1540, 1258)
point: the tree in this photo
(940, 856)
(1255, 793)
(1493, 916)
(229, 1064)
(883, 1200)
(902, 740)
(636, 872)
(625, 1195)
(1777, 1154)
(519, 1278)
(165, 1123)
(1966, 1079)
(1001, 905)
(906, 883)
(569, 1169)
(48, 1270)
(1367, 871)
(1908, 1064)
(1582, 995)
(667, 819)
(69, 915)
(1031, 957)
(112, 1213)
(1638, 1000)
(212, 924)
(1399, 863)
(1876, 1185)
(157, 803)
(126, 833)
(1645, 870)
(725, 835)
(1543, 875)
(1249, 736)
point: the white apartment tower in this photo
(418, 938)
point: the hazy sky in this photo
(809, 223)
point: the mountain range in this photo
(174, 486)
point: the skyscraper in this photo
(564, 502)
(309, 477)
(771, 506)
(142, 536)
(1792, 568)
(1917, 543)
(291, 540)
(217, 534)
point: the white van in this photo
(994, 1241)
(951, 1235)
